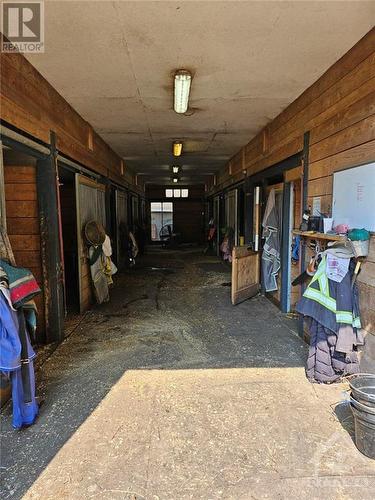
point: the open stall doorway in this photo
(161, 219)
(68, 210)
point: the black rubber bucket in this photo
(364, 424)
(363, 388)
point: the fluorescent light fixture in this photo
(175, 169)
(182, 82)
(177, 148)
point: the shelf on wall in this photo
(319, 236)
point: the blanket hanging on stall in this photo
(10, 344)
(16, 360)
(98, 276)
(271, 248)
(22, 284)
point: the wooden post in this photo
(52, 267)
(305, 180)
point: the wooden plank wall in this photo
(31, 104)
(339, 111)
(86, 286)
(188, 220)
(188, 213)
(366, 281)
(296, 268)
(23, 226)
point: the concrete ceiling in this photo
(114, 63)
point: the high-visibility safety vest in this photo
(318, 291)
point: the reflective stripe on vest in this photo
(344, 317)
(323, 297)
(317, 296)
(357, 323)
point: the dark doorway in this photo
(69, 233)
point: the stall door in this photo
(135, 210)
(245, 274)
(246, 260)
(278, 188)
(121, 220)
(231, 216)
(90, 197)
(216, 215)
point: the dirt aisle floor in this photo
(169, 392)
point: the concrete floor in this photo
(169, 392)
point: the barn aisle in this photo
(170, 392)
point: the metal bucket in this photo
(362, 386)
(364, 424)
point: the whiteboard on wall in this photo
(354, 197)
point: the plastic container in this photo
(362, 386)
(364, 424)
(358, 234)
(327, 224)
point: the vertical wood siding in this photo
(339, 111)
(23, 226)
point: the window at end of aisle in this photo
(176, 193)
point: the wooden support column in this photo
(263, 201)
(305, 181)
(52, 266)
(285, 248)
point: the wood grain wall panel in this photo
(26, 258)
(344, 139)
(23, 226)
(19, 192)
(337, 101)
(358, 111)
(371, 255)
(367, 274)
(32, 105)
(277, 155)
(22, 209)
(236, 163)
(294, 174)
(347, 63)
(253, 151)
(87, 293)
(19, 174)
(12, 113)
(321, 187)
(363, 153)
(21, 242)
(339, 111)
(329, 100)
(366, 296)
